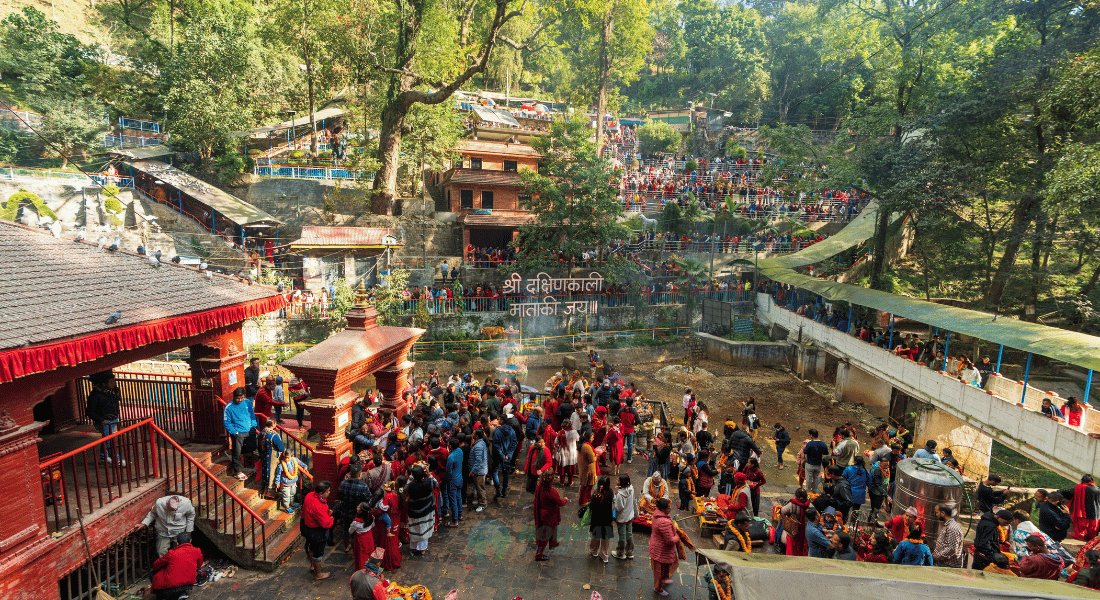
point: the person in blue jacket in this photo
(240, 424)
(452, 483)
(913, 551)
(816, 539)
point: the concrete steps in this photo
(231, 528)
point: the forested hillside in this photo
(976, 119)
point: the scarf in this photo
(884, 466)
(654, 491)
(290, 469)
(723, 586)
(746, 545)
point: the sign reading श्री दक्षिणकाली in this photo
(543, 283)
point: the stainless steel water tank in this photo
(925, 483)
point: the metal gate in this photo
(717, 317)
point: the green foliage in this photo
(574, 202)
(205, 82)
(47, 63)
(71, 127)
(387, 298)
(229, 164)
(671, 218)
(12, 146)
(20, 198)
(296, 154)
(658, 136)
(690, 166)
(112, 204)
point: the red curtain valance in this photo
(21, 362)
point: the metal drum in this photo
(925, 483)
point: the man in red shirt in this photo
(899, 525)
(316, 521)
(265, 399)
(174, 573)
(627, 418)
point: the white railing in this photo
(10, 173)
(316, 173)
(1064, 449)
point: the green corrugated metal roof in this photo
(1060, 344)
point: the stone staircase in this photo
(280, 532)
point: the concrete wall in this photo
(615, 357)
(856, 385)
(1060, 448)
(969, 445)
(745, 353)
(1014, 391)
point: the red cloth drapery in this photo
(21, 362)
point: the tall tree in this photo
(575, 204)
(415, 75)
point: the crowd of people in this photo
(739, 190)
(462, 444)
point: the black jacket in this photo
(987, 540)
(102, 403)
(1053, 522)
(251, 382)
(741, 442)
(987, 498)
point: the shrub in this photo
(11, 207)
(690, 166)
(742, 153)
(112, 204)
(297, 154)
(325, 154)
(255, 152)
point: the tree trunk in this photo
(312, 108)
(307, 55)
(1036, 258)
(389, 158)
(1021, 220)
(878, 258)
(1085, 291)
(605, 72)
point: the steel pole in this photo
(1027, 372)
(1001, 353)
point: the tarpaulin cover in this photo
(856, 232)
(1060, 344)
(493, 115)
(775, 576)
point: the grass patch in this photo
(1021, 471)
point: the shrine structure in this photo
(73, 309)
(331, 367)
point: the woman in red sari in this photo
(796, 538)
(387, 528)
(547, 506)
(599, 426)
(362, 535)
(614, 440)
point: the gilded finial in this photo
(361, 295)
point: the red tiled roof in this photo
(483, 177)
(498, 219)
(56, 290)
(344, 236)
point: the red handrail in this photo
(53, 461)
(205, 471)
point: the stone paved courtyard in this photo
(490, 556)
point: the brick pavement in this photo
(490, 556)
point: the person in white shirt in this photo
(687, 407)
